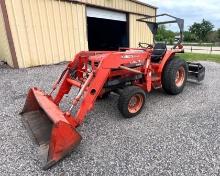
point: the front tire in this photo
(174, 76)
(131, 101)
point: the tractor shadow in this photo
(105, 111)
(154, 99)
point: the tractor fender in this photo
(169, 55)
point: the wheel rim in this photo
(135, 103)
(180, 77)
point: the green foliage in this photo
(212, 37)
(165, 35)
(200, 57)
(189, 37)
(198, 32)
(218, 33)
(201, 30)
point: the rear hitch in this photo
(196, 71)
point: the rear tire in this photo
(174, 76)
(131, 101)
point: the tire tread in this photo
(124, 98)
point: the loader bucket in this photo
(49, 126)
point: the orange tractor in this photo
(129, 72)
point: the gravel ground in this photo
(174, 135)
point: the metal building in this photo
(39, 32)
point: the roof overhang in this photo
(145, 4)
(135, 1)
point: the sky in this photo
(190, 10)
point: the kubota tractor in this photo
(129, 72)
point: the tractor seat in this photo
(158, 52)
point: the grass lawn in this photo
(200, 57)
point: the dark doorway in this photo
(106, 34)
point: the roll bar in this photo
(154, 25)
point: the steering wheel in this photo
(145, 45)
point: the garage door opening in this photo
(107, 29)
(105, 34)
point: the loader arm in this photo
(89, 72)
(100, 76)
(92, 93)
(94, 83)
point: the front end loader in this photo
(129, 72)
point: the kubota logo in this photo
(128, 56)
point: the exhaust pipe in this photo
(49, 126)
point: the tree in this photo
(160, 33)
(165, 35)
(218, 33)
(189, 37)
(212, 36)
(201, 30)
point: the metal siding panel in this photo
(19, 32)
(50, 31)
(87, 1)
(139, 32)
(80, 26)
(101, 2)
(131, 30)
(65, 31)
(59, 33)
(46, 36)
(125, 5)
(85, 29)
(40, 7)
(139, 7)
(120, 4)
(70, 28)
(130, 6)
(30, 34)
(46, 31)
(5, 54)
(76, 28)
(54, 30)
(36, 26)
(108, 4)
(114, 3)
(134, 7)
(13, 30)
